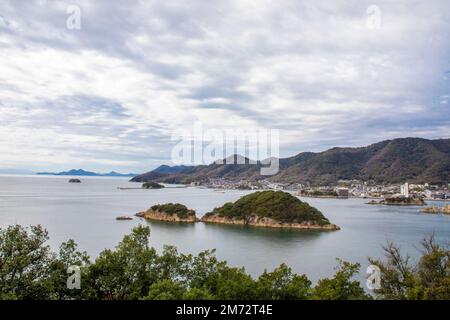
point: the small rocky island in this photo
(74, 181)
(124, 218)
(435, 209)
(152, 185)
(172, 212)
(271, 209)
(399, 201)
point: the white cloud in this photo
(111, 94)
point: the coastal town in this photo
(344, 189)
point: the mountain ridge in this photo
(388, 161)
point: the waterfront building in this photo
(404, 190)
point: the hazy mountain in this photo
(81, 172)
(205, 172)
(117, 174)
(389, 161)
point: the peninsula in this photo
(270, 209)
(172, 212)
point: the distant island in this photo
(152, 185)
(399, 201)
(172, 212)
(415, 160)
(81, 172)
(273, 209)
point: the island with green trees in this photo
(152, 185)
(172, 212)
(272, 209)
(400, 201)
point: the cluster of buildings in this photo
(407, 190)
(345, 188)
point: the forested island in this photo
(400, 201)
(172, 212)
(152, 185)
(275, 209)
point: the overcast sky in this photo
(110, 95)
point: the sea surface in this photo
(86, 212)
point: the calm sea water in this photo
(86, 212)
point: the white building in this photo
(404, 189)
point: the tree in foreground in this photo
(134, 270)
(428, 279)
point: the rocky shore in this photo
(267, 209)
(270, 209)
(124, 218)
(169, 212)
(265, 222)
(435, 209)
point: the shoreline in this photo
(269, 223)
(324, 197)
(163, 216)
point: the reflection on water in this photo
(86, 212)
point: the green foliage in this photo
(57, 280)
(133, 270)
(29, 270)
(320, 193)
(341, 286)
(152, 185)
(278, 205)
(124, 273)
(174, 208)
(283, 284)
(166, 289)
(24, 257)
(429, 279)
(197, 294)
